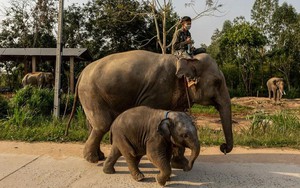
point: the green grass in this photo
(29, 118)
(279, 130)
(199, 109)
(47, 130)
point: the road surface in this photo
(61, 165)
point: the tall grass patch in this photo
(277, 130)
(3, 107)
(30, 118)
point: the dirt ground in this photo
(62, 165)
(255, 104)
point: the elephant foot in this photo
(101, 156)
(93, 157)
(160, 180)
(180, 163)
(138, 176)
(108, 170)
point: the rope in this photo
(187, 95)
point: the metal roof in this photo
(43, 53)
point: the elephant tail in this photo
(73, 108)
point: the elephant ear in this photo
(185, 67)
(164, 127)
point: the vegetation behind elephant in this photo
(113, 84)
(39, 79)
(276, 88)
(143, 130)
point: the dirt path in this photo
(61, 165)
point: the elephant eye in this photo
(184, 135)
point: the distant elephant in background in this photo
(143, 131)
(276, 86)
(39, 79)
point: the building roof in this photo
(43, 53)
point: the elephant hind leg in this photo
(132, 159)
(91, 151)
(100, 122)
(109, 163)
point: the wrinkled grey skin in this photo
(39, 79)
(276, 87)
(113, 84)
(143, 130)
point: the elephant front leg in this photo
(178, 159)
(163, 164)
(91, 151)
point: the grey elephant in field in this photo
(143, 130)
(115, 83)
(39, 79)
(276, 87)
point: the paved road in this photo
(61, 165)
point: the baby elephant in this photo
(145, 131)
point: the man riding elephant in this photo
(39, 79)
(115, 83)
(184, 43)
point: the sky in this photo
(203, 28)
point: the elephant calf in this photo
(145, 131)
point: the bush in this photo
(292, 93)
(3, 107)
(67, 103)
(35, 101)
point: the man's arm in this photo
(179, 44)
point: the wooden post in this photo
(33, 64)
(57, 94)
(25, 67)
(72, 88)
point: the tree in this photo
(73, 30)
(16, 27)
(161, 11)
(261, 14)
(239, 45)
(112, 26)
(44, 15)
(285, 50)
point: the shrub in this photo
(292, 93)
(3, 107)
(35, 101)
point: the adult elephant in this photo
(121, 81)
(276, 86)
(39, 79)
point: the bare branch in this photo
(149, 40)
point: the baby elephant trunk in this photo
(195, 148)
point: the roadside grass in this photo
(27, 117)
(235, 108)
(281, 129)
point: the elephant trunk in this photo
(226, 120)
(195, 148)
